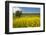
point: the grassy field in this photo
(26, 21)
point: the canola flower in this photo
(26, 22)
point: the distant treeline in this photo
(30, 13)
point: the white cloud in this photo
(16, 9)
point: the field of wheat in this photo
(26, 21)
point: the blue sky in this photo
(30, 9)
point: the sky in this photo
(30, 10)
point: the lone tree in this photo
(18, 13)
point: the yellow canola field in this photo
(26, 22)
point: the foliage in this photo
(18, 13)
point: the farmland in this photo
(26, 20)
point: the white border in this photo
(11, 29)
